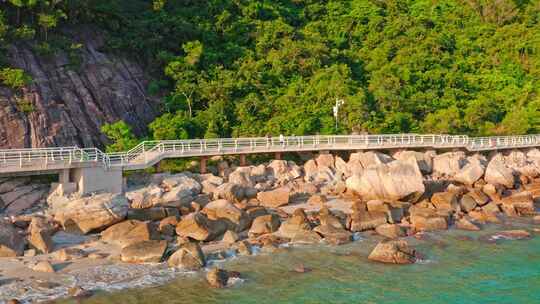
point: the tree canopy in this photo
(245, 68)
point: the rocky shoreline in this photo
(167, 224)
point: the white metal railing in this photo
(148, 153)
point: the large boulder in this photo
(274, 198)
(519, 204)
(284, 171)
(497, 173)
(394, 252)
(182, 182)
(390, 182)
(128, 232)
(362, 220)
(236, 219)
(144, 252)
(190, 256)
(264, 224)
(231, 192)
(391, 231)
(12, 243)
(448, 164)
(241, 176)
(298, 223)
(145, 197)
(426, 219)
(93, 213)
(471, 172)
(447, 201)
(333, 235)
(424, 160)
(217, 278)
(40, 234)
(198, 227)
(394, 210)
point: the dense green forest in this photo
(241, 67)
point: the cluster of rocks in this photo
(20, 195)
(174, 218)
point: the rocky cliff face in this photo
(67, 105)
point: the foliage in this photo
(14, 78)
(121, 136)
(239, 68)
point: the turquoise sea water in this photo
(459, 267)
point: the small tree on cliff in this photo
(121, 136)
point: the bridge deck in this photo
(149, 153)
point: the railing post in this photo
(20, 159)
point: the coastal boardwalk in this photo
(91, 170)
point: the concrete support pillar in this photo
(63, 176)
(243, 160)
(324, 152)
(203, 168)
(277, 155)
(97, 179)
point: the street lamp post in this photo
(335, 109)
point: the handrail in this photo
(148, 153)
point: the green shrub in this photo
(14, 78)
(24, 32)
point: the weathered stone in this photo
(11, 242)
(217, 278)
(520, 204)
(515, 234)
(231, 192)
(479, 196)
(236, 219)
(333, 235)
(25, 202)
(424, 160)
(283, 171)
(362, 220)
(306, 237)
(264, 224)
(497, 173)
(144, 252)
(145, 197)
(43, 266)
(230, 237)
(190, 256)
(394, 252)
(388, 182)
(394, 211)
(68, 254)
(198, 227)
(317, 199)
(12, 184)
(167, 226)
(275, 198)
(467, 203)
(448, 164)
(69, 106)
(40, 234)
(391, 231)
(296, 224)
(93, 213)
(128, 232)
(148, 214)
(471, 172)
(465, 224)
(428, 223)
(484, 216)
(326, 217)
(445, 201)
(244, 248)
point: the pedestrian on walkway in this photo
(282, 140)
